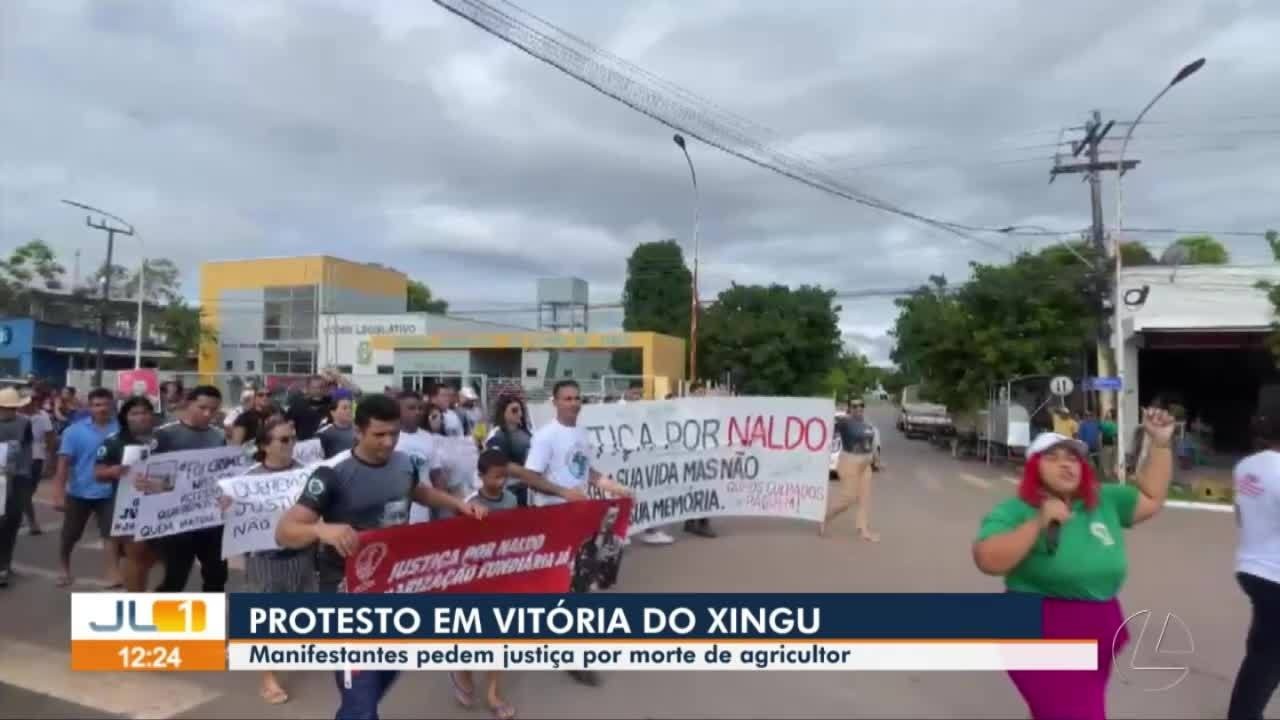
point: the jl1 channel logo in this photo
(148, 631)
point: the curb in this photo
(1193, 505)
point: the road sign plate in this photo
(1106, 384)
(1061, 386)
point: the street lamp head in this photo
(679, 140)
(1187, 71)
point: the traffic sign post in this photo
(1061, 386)
(1105, 384)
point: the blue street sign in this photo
(1105, 384)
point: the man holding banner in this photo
(371, 487)
(561, 452)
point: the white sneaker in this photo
(656, 537)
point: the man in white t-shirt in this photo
(561, 452)
(1257, 499)
(442, 396)
(421, 447)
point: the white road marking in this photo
(145, 696)
(22, 569)
(974, 480)
(1011, 480)
(1188, 505)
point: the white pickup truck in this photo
(836, 447)
(922, 419)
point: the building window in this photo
(568, 373)
(344, 369)
(248, 365)
(289, 313)
(230, 365)
(386, 370)
(288, 362)
(531, 372)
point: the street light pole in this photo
(105, 299)
(137, 330)
(1117, 330)
(694, 303)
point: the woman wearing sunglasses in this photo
(278, 571)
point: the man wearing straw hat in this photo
(16, 438)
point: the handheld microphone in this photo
(1051, 536)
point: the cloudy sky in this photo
(393, 131)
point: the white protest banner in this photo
(308, 452)
(257, 504)
(712, 456)
(183, 492)
(124, 517)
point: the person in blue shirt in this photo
(1090, 433)
(77, 492)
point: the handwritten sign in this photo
(712, 457)
(308, 452)
(182, 493)
(124, 517)
(257, 504)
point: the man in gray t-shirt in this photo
(370, 487)
(194, 431)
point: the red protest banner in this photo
(530, 550)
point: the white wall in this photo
(341, 335)
(1202, 297)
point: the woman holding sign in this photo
(1062, 538)
(278, 571)
(136, 418)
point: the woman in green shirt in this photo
(1062, 537)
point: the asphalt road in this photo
(926, 506)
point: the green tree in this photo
(1135, 254)
(1034, 315)
(1203, 250)
(420, 299)
(185, 331)
(30, 265)
(163, 282)
(656, 297)
(771, 340)
(851, 376)
(1273, 294)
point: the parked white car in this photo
(835, 449)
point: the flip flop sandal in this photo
(503, 711)
(66, 581)
(464, 698)
(115, 586)
(275, 696)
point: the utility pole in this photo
(104, 303)
(1095, 131)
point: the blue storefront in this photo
(48, 350)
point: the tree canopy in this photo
(772, 340)
(1202, 250)
(656, 297)
(852, 375)
(1134, 254)
(1031, 316)
(420, 299)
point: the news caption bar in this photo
(211, 632)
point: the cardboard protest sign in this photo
(182, 492)
(308, 452)
(257, 504)
(713, 456)
(124, 516)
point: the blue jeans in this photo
(368, 687)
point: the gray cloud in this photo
(398, 133)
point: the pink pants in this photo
(1074, 694)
